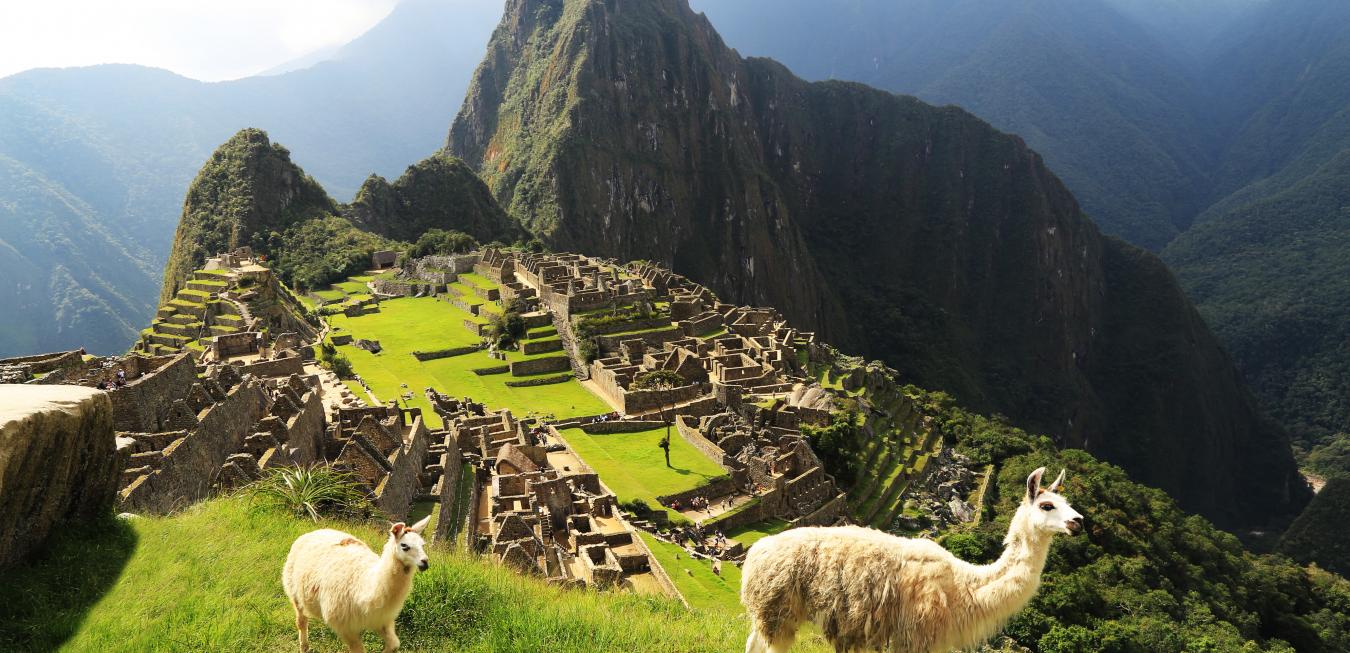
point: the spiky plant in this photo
(310, 491)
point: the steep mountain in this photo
(1268, 263)
(1110, 101)
(916, 234)
(439, 192)
(116, 146)
(250, 193)
(1322, 533)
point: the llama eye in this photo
(1044, 506)
(405, 546)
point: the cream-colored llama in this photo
(333, 576)
(872, 591)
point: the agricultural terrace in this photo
(428, 323)
(634, 467)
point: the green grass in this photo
(703, 589)
(329, 296)
(479, 280)
(634, 467)
(752, 533)
(542, 332)
(208, 579)
(407, 324)
(719, 331)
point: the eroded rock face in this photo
(58, 462)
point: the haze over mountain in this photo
(94, 162)
(1214, 131)
(912, 233)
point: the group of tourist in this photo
(710, 544)
(612, 416)
(119, 380)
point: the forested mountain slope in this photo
(111, 150)
(912, 233)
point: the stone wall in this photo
(451, 469)
(719, 487)
(141, 405)
(540, 366)
(641, 401)
(274, 368)
(541, 346)
(306, 430)
(446, 353)
(652, 339)
(398, 489)
(190, 465)
(691, 434)
(58, 462)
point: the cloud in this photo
(209, 40)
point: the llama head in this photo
(408, 545)
(1047, 510)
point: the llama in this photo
(333, 576)
(872, 591)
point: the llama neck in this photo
(387, 582)
(1008, 583)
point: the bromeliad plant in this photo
(312, 492)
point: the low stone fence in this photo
(541, 346)
(540, 366)
(489, 371)
(622, 426)
(446, 353)
(341, 339)
(546, 380)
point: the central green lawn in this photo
(209, 579)
(426, 324)
(634, 467)
(752, 533)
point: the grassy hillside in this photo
(209, 580)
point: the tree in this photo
(662, 381)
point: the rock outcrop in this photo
(915, 234)
(58, 462)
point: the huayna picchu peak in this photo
(911, 233)
(665, 348)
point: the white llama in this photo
(872, 591)
(333, 576)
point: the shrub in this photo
(312, 492)
(340, 365)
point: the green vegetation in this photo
(440, 242)
(318, 252)
(633, 466)
(1321, 534)
(703, 589)
(752, 533)
(310, 492)
(1331, 458)
(208, 580)
(438, 193)
(408, 324)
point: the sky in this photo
(209, 40)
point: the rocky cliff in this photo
(913, 233)
(439, 192)
(57, 462)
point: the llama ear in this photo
(1034, 484)
(1059, 481)
(417, 528)
(397, 529)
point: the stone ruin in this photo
(545, 517)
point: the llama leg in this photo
(391, 642)
(782, 640)
(755, 643)
(302, 625)
(353, 641)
